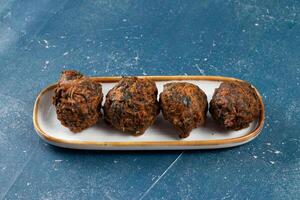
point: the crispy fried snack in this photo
(131, 106)
(235, 105)
(184, 105)
(77, 100)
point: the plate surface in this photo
(160, 136)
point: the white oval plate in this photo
(160, 136)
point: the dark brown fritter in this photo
(77, 100)
(234, 105)
(131, 105)
(184, 105)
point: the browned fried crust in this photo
(234, 105)
(77, 100)
(184, 105)
(131, 105)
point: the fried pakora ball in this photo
(77, 100)
(184, 105)
(235, 105)
(131, 105)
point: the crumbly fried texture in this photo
(77, 100)
(131, 105)
(235, 105)
(184, 105)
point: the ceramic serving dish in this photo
(160, 136)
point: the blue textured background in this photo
(257, 41)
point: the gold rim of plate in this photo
(238, 140)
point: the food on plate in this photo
(77, 100)
(184, 105)
(235, 105)
(131, 105)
